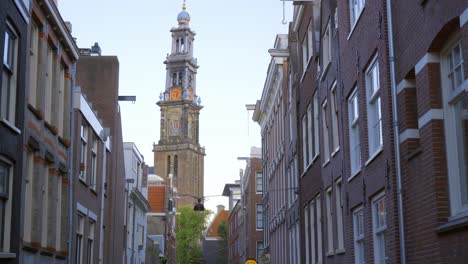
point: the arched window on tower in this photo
(177, 45)
(174, 79)
(182, 45)
(176, 168)
(168, 165)
(180, 78)
(190, 81)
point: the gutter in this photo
(70, 172)
(103, 179)
(391, 54)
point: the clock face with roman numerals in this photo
(176, 93)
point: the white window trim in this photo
(375, 230)
(457, 209)
(326, 134)
(316, 117)
(12, 71)
(304, 143)
(353, 26)
(371, 101)
(353, 125)
(355, 230)
(256, 218)
(335, 119)
(319, 229)
(339, 216)
(309, 134)
(312, 230)
(330, 235)
(8, 208)
(307, 234)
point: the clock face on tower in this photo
(176, 93)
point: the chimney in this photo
(220, 208)
(68, 24)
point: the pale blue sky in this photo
(231, 45)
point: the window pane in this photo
(4, 179)
(461, 119)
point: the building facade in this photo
(252, 186)
(91, 148)
(381, 131)
(178, 152)
(14, 19)
(137, 205)
(269, 114)
(156, 219)
(235, 226)
(98, 78)
(48, 156)
(214, 246)
(431, 90)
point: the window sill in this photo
(326, 163)
(453, 224)
(65, 142)
(93, 190)
(340, 251)
(376, 153)
(329, 254)
(304, 72)
(325, 71)
(355, 24)
(82, 181)
(7, 255)
(53, 129)
(10, 126)
(39, 115)
(335, 151)
(353, 175)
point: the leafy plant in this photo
(189, 227)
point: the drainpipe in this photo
(103, 180)
(396, 133)
(71, 161)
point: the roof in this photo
(156, 198)
(227, 188)
(212, 230)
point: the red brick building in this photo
(382, 132)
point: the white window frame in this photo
(334, 118)
(378, 229)
(8, 86)
(453, 95)
(258, 182)
(374, 109)
(316, 126)
(355, 11)
(83, 151)
(79, 238)
(33, 64)
(312, 231)
(305, 55)
(304, 142)
(326, 134)
(318, 204)
(257, 218)
(90, 244)
(7, 213)
(309, 134)
(359, 246)
(339, 216)
(94, 163)
(259, 256)
(326, 48)
(354, 140)
(329, 208)
(307, 234)
(310, 41)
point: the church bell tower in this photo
(178, 152)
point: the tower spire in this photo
(183, 5)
